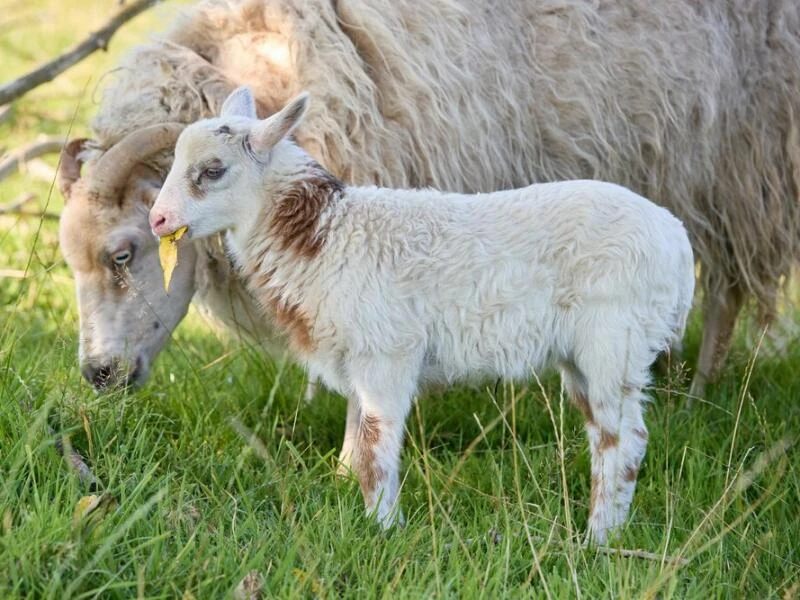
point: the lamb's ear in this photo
(270, 131)
(240, 103)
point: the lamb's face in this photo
(209, 179)
(219, 166)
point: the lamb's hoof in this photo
(600, 534)
(310, 393)
(343, 470)
(392, 519)
(595, 538)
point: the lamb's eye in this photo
(120, 258)
(214, 173)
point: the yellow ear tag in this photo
(168, 254)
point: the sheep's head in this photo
(219, 166)
(125, 314)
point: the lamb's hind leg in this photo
(720, 310)
(617, 442)
(617, 437)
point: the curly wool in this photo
(694, 105)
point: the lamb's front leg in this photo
(384, 390)
(376, 462)
(351, 429)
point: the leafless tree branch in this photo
(74, 460)
(40, 170)
(96, 41)
(15, 158)
(17, 207)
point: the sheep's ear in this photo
(240, 103)
(270, 131)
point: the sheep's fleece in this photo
(692, 104)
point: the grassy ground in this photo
(218, 469)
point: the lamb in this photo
(382, 291)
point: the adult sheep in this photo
(692, 104)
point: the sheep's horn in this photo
(112, 170)
(69, 166)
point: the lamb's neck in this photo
(279, 256)
(299, 194)
(285, 212)
(288, 162)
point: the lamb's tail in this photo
(684, 293)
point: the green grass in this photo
(218, 468)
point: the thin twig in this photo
(495, 539)
(22, 155)
(74, 460)
(95, 41)
(40, 170)
(17, 207)
(35, 214)
(644, 554)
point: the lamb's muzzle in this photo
(392, 289)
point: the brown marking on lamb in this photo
(630, 473)
(582, 404)
(607, 440)
(595, 492)
(290, 317)
(194, 174)
(195, 189)
(295, 217)
(369, 433)
(261, 279)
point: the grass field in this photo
(218, 469)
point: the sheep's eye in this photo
(213, 173)
(121, 257)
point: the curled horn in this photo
(113, 169)
(69, 167)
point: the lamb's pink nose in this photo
(162, 223)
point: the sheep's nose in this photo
(101, 377)
(157, 222)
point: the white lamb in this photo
(381, 291)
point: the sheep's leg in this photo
(312, 386)
(607, 388)
(351, 431)
(376, 461)
(384, 389)
(720, 311)
(617, 445)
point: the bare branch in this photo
(16, 205)
(96, 41)
(74, 460)
(495, 538)
(17, 208)
(22, 155)
(643, 554)
(40, 170)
